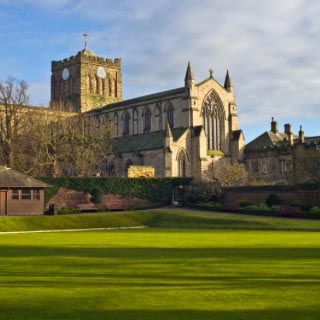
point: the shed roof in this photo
(12, 178)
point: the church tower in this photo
(84, 82)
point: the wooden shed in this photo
(20, 194)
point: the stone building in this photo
(178, 132)
(277, 157)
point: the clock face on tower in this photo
(101, 72)
(65, 74)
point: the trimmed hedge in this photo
(153, 189)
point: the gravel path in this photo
(73, 230)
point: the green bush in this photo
(272, 200)
(157, 190)
(96, 194)
(315, 210)
(66, 210)
(202, 192)
(246, 203)
(304, 206)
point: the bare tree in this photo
(13, 97)
(227, 172)
(67, 144)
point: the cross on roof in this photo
(85, 36)
(211, 73)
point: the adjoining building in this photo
(20, 194)
(176, 131)
(277, 157)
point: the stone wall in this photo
(258, 195)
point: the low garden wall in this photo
(258, 194)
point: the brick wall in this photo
(259, 195)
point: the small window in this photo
(15, 194)
(26, 194)
(283, 166)
(36, 194)
(264, 168)
(254, 167)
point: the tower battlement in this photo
(86, 55)
(85, 81)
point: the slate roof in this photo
(147, 141)
(13, 178)
(141, 99)
(267, 139)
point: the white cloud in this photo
(270, 47)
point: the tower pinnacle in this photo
(227, 82)
(189, 78)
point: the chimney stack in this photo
(288, 132)
(301, 135)
(274, 126)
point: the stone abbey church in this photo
(178, 132)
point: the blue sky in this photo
(271, 49)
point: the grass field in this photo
(160, 274)
(157, 218)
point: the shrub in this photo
(202, 191)
(66, 210)
(96, 194)
(304, 206)
(272, 200)
(246, 203)
(315, 210)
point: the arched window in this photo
(116, 86)
(115, 124)
(158, 115)
(111, 169)
(71, 82)
(110, 86)
(104, 86)
(97, 88)
(170, 115)
(181, 158)
(135, 127)
(92, 84)
(213, 123)
(127, 165)
(126, 123)
(146, 114)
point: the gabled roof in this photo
(147, 141)
(267, 139)
(142, 99)
(13, 178)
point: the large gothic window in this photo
(146, 119)
(159, 116)
(213, 123)
(181, 163)
(115, 124)
(127, 165)
(111, 169)
(126, 123)
(135, 127)
(170, 115)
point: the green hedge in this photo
(152, 189)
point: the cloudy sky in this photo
(271, 49)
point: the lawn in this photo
(157, 218)
(161, 274)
